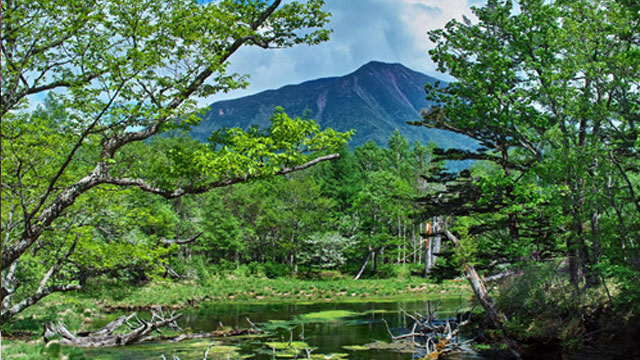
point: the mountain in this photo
(374, 100)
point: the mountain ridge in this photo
(375, 100)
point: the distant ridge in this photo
(374, 100)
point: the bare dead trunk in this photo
(427, 256)
(404, 243)
(480, 290)
(364, 265)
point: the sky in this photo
(392, 31)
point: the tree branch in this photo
(172, 194)
(178, 241)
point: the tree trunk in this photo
(404, 243)
(419, 240)
(413, 242)
(374, 262)
(480, 290)
(364, 265)
(592, 278)
(427, 256)
(437, 242)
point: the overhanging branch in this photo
(175, 193)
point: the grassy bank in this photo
(270, 290)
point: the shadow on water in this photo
(325, 327)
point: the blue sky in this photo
(364, 30)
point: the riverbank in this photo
(78, 310)
(358, 329)
(230, 289)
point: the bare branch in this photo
(178, 241)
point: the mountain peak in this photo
(375, 100)
(377, 63)
(380, 65)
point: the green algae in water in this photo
(335, 356)
(296, 349)
(287, 349)
(398, 346)
(329, 315)
(297, 345)
(356, 348)
(186, 350)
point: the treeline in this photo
(338, 216)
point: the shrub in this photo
(273, 270)
(330, 275)
(542, 306)
(386, 271)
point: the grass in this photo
(37, 350)
(242, 290)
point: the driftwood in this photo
(214, 334)
(220, 333)
(435, 337)
(140, 330)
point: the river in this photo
(330, 330)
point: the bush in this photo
(386, 271)
(330, 275)
(542, 306)
(256, 269)
(444, 269)
(274, 270)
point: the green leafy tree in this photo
(550, 93)
(124, 72)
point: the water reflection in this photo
(327, 327)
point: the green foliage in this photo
(274, 270)
(123, 73)
(541, 304)
(545, 88)
(27, 351)
(534, 86)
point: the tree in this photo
(123, 72)
(547, 93)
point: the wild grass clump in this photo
(542, 307)
(39, 351)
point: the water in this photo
(325, 327)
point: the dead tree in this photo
(433, 336)
(140, 331)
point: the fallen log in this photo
(140, 331)
(213, 334)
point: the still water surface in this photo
(357, 323)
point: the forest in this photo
(109, 206)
